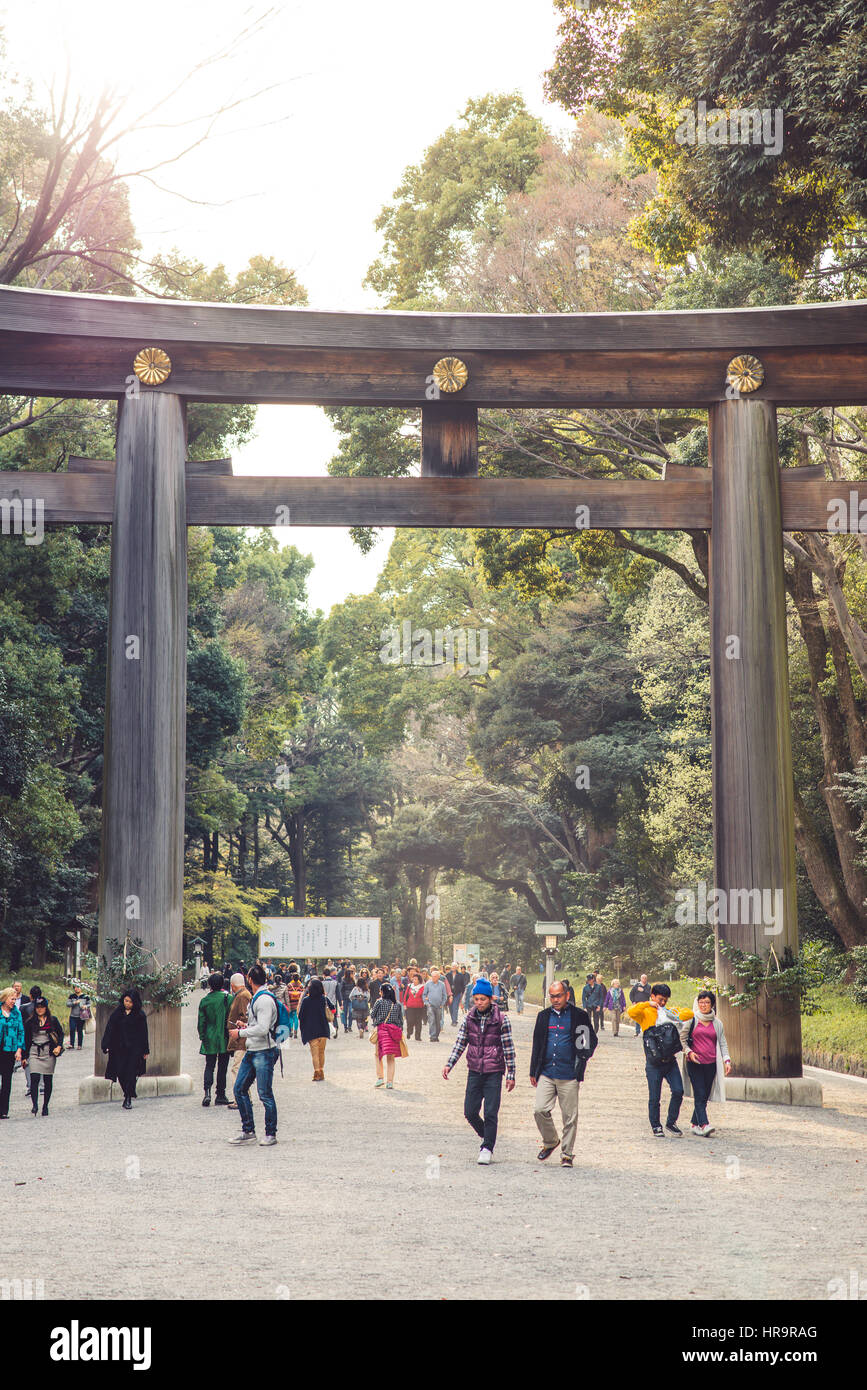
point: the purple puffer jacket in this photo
(484, 1046)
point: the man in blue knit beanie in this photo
(486, 1033)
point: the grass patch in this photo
(52, 980)
(535, 985)
(842, 1029)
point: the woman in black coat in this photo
(314, 1025)
(126, 1041)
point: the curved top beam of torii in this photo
(84, 345)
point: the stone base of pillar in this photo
(94, 1089)
(775, 1090)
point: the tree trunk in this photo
(847, 876)
(298, 860)
(851, 715)
(823, 871)
(39, 949)
(429, 922)
(242, 850)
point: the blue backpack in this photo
(283, 1027)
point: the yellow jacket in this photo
(646, 1014)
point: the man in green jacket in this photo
(214, 1035)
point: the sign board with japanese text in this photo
(295, 938)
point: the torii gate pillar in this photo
(754, 822)
(142, 869)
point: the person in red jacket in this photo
(412, 999)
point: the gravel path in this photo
(376, 1194)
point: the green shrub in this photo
(129, 965)
(859, 983)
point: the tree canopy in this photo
(646, 62)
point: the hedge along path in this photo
(374, 1194)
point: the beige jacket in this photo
(238, 1018)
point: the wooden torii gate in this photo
(154, 356)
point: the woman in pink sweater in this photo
(706, 1061)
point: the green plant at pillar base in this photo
(129, 965)
(759, 977)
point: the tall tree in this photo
(461, 184)
(648, 60)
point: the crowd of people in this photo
(389, 1003)
(245, 1015)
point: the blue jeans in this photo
(347, 1015)
(484, 1087)
(76, 1030)
(671, 1072)
(258, 1067)
(519, 999)
(454, 1006)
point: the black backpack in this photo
(661, 1043)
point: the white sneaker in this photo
(696, 1129)
(268, 1139)
(707, 1131)
(485, 1156)
(243, 1138)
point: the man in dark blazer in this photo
(563, 1042)
(457, 982)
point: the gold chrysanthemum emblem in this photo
(450, 374)
(745, 373)
(152, 366)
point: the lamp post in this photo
(551, 931)
(197, 944)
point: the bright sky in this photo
(349, 95)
